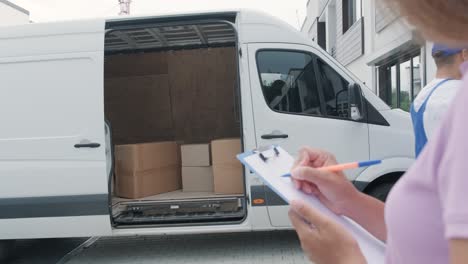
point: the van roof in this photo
(253, 26)
(260, 27)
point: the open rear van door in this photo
(53, 180)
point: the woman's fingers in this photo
(297, 184)
(299, 161)
(309, 214)
(302, 228)
(306, 188)
(311, 175)
(314, 189)
(322, 239)
(302, 160)
(316, 157)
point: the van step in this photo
(180, 211)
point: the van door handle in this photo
(87, 145)
(274, 136)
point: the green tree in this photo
(405, 102)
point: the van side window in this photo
(335, 91)
(289, 82)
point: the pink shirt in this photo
(429, 205)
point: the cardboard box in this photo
(224, 151)
(197, 179)
(227, 170)
(139, 184)
(195, 155)
(147, 169)
(228, 179)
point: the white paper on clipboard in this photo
(278, 164)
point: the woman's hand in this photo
(323, 240)
(333, 189)
(336, 192)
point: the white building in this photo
(11, 14)
(375, 44)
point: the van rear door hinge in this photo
(240, 52)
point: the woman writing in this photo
(425, 219)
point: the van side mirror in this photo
(356, 102)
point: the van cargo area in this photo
(171, 101)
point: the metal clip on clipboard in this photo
(262, 155)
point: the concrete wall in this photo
(358, 65)
(347, 48)
(322, 4)
(11, 14)
(389, 37)
(331, 27)
(314, 8)
(309, 27)
(385, 36)
(384, 16)
(349, 44)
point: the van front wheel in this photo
(381, 191)
(6, 249)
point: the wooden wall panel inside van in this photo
(186, 95)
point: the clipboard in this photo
(274, 162)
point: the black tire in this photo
(381, 191)
(6, 249)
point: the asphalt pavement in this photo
(42, 251)
(233, 248)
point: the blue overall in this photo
(418, 121)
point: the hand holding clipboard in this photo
(274, 163)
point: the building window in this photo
(400, 81)
(394, 87)
(322, 34)
(417, 83)
(352, 12)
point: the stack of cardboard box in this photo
(197, 174)
(152, 168)
(227, 170)
(147, 169)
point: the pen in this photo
(345, 166)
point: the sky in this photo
(291, 11)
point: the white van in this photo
(62, 81)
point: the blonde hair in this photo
(439, 20)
